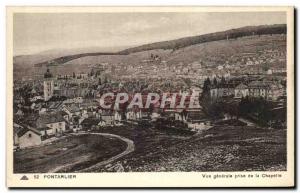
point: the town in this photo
(245, 87)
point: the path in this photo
(129, 149)
(249, 123)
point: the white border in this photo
(3, 3)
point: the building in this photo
(117, 116)
(71, 110)
(108, 117)
(223, 90)
(200, 126)
(26, 136)
(132, 115)
(51, 124)
(266, 89)
(72, 92)
(180, 115)
(241, 91)
(48, 85)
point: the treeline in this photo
(257, 110)
(262, 112)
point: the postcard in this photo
(150, 97)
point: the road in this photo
(129, 149)
(249, 123)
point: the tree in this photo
(257, 109)
(215, 82)
(74, 75)
(92, 72)
(206, 85)
(266, 67)
(205, 91)
(223, 81)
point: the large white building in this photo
(26, 136)
(241, 91)
(52, 124)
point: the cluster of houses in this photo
(55, 118)
(268, 90)
(74, 119)
(76, 112)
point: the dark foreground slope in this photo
(221, 148)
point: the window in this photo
(29, 135)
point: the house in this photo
(36, 106)
(220, 67)
(65, 115)
(269, 71)
(51, 124)
(20, 112)
(73, 100)
(133, 114)
(75, 127)
(155, 115)
(26, 136)
(181, 115)
(265, 89)
(241, 91)
(71, 110)
(89, 123)
(259, 89)
(200, 126)
(108, 117)
(222, 90)
(102, 123)
(35, 98)
(117, 116)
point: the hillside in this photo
(210, 53)
(229, 34)
(191, 49)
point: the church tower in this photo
(48, 85)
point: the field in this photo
(221, 148)
(70, 154)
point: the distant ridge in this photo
(182, 42)
(229, 34)
(68, 58)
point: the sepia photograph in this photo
(150, 91)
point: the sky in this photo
(38, 32)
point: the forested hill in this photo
(229, 34)
(181, 43)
